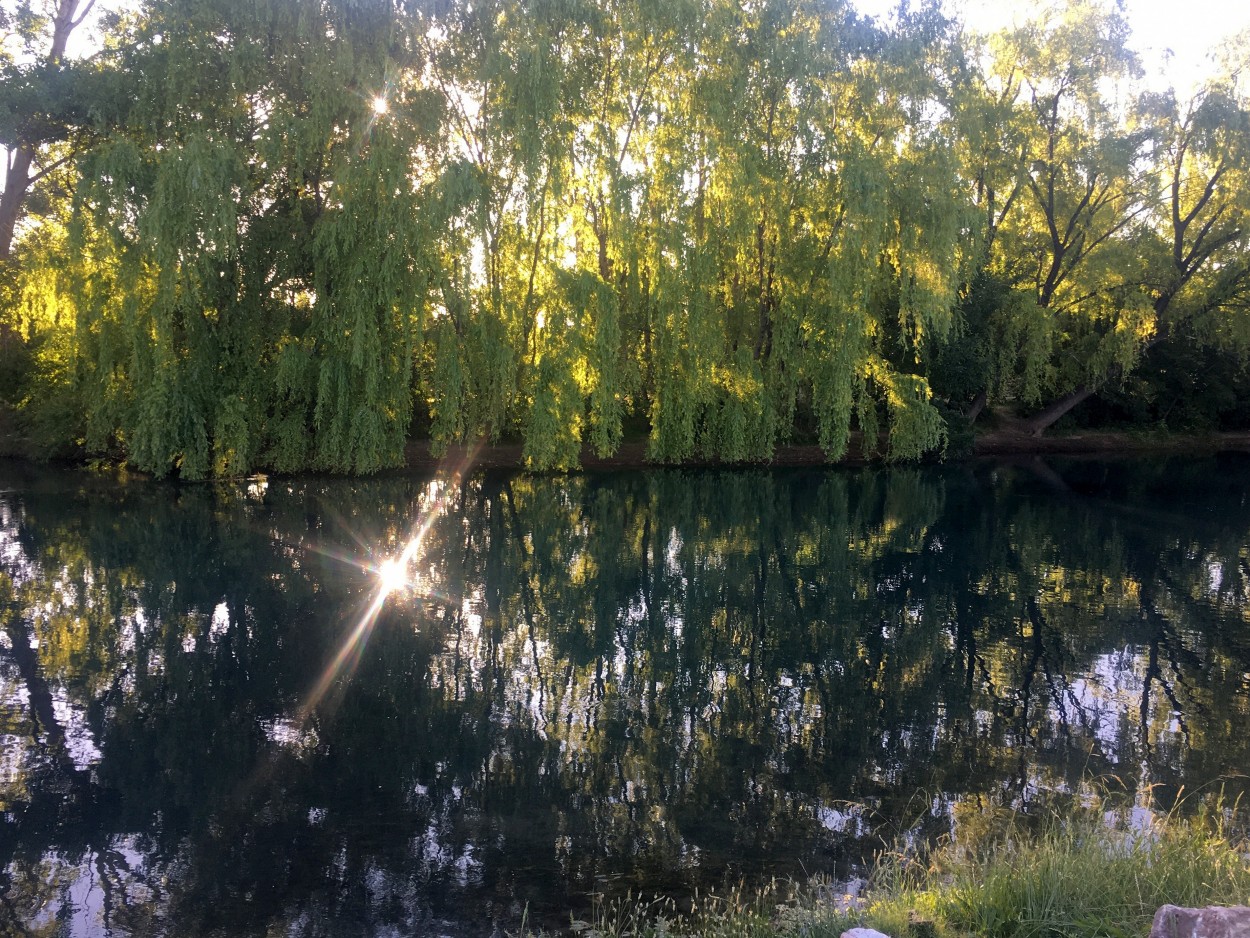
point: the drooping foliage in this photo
(316, 229)
(263, 219)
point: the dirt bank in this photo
(1003, 440)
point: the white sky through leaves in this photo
(1174, 39)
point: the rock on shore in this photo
(1173, 921)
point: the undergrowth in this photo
(1088, 874)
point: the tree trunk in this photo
(17, 179)
(978, 405)
(16, 182)
(1046, 417)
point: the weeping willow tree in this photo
(697, 215)
(508, 349)
(247, 282)
(800, 233)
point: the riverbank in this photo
(1006, 439)
(1001, 435)
(1079, 877)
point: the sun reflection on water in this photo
(393, 577)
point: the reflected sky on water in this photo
(425, 704)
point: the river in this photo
(439, 704)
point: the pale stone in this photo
(863, 933)
(1173, 921)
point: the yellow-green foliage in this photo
(315, 222)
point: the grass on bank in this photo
(1079, 877)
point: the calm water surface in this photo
(215, 719)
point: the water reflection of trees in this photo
(651, 680)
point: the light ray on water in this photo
(392, 577)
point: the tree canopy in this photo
(290, 234)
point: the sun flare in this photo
(393, 574)
(380, 105)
